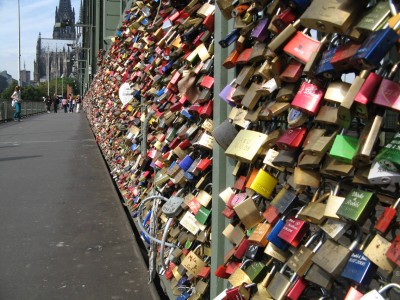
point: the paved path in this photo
(63, 231)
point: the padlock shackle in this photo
(163, 240)
(354, 244)
(393, 8)
(339, 184)
(395, 67)
(389, 286)
(245, 263)
(312, 238)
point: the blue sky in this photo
(36, 16)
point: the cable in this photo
(140, 209)
(164, 237)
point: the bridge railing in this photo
(28, 108)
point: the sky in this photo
(36, 16)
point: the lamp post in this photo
(48, 71)
(62, 85)
(56, 70)
(19, 46)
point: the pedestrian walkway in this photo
(64, 233)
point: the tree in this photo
(6, 94)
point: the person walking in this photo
(78, 103)
(55, 103)
(72, 106)
(64, 103)
(16, 96)
(70, 103)
(48, 102)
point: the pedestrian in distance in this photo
(55, 103)
(64, 103)
(71, 103)
(78, 103)
(16, 103)
(48, 102)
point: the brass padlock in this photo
(376, 252)
(248, 213)
(332, 256)
(314, 210)
(332, 16)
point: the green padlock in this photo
(357, 206)
(389, 156)
(203, 215)
(257, 271)
(344, 148)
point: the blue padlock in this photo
(374, 48)
(325, 68)
(167, 67)
(186, 162)
(359, 268)
(186, 114)
(273, 235)
(230, 38)
(183, 296)
(160, 92)
(188, 176)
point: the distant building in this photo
(52, 63)
(25, 77)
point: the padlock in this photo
(384, 221)
(376, 252)
(344, 147)
(335, 201)
(273, 237)
(393, 253)
(341, 59)
(345, 109)
(280, 284)
(239, 276)
(308, 98)
(264, 183)
(331, 16)
(324, 68)
(301, 47)
(335, 228)
(367, 141)
(368, 91)
(257, 271)
(314, 211)
(359, 268)
(239, 292)
(319, 277)
(292, 72)
(377, 295)
(318, 146)
(225, 133)
(388, 94)
(357, 206)
(284, 200)
(248, 213)
(307, 177)
(332, 256)
(388, 157)
(283, 37)
(259, 235)
(353, 294)
(294, 231)
(241, 249)
(246, 145)
(375, 47)
(311, 65)
(292, 138)
(374, 18)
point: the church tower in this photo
(65, 14)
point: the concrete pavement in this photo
(63, 231)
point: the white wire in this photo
(141, 206)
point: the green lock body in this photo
(357, 206)
(203, 215)
(344, 148)
(389, 156)
(257, 271)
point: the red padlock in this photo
(308, 98)
(393, 252)
(294, 231)
(292, 138)
(301, 47)
(271, 214)
(383, 223)
(241, 248)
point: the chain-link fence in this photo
(28, 108)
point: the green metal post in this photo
(222, 168)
